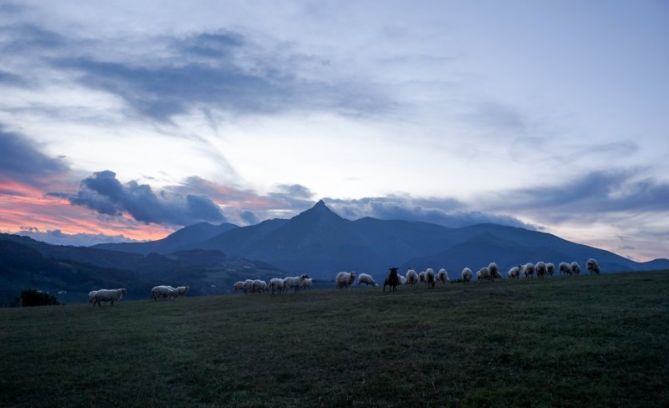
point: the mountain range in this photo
(320, 242)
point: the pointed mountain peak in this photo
(320, 211)
(320, 205)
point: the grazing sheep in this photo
(514, 273)
(565, 268)
(345, 279)
(466, 275)
(238, 286)
(442, 276)
(163, 291)
(259, 286)
(294, 282)
(494, 271)
(276, 285)
(91, 297)
(592, 266)
(366, 279)
(528, 270)
(412, 277)
(182, 290)
(248, 286)
(421, 277)
(306, 283)
(550, 269)
(575, 268)
(430, 278)
(540, 269)
(392, 280)
(109, 295)
(483, 274)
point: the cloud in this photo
(104, 193)
(10, 79)
(57, 237)
(213, 69)
(22, 161)
(249, 217)
(588, 196)
(497, 116)
(443, 211)
(23, 37)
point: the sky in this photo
(129, 120)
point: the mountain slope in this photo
(320, 242)
(185, 237)
(26, 263)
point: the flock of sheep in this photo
(275, 285)
(97, 297)
(346, 279)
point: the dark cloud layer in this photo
(446, 212)
(590, 195)
(104, 193)
(210, 70)
(22, 161)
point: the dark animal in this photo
(429, 279)
(392, 280)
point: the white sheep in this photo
(442, 276)
(276, 285)
(306, 283)
(550, 269)
(163, 291)
(109, 295)
(345, 279)
(91, 297)
(592, 266)
(466, 275)
(412, 277)
(575, 268)
(514, 273)
(494, 271)
(565, 268)
(367, 279)
(540, 269)
(483, 274)
(238, 286)
(528, 270)
(259, 286)
(182, 290)
(294, 282)
(403, 279)
(248, 286)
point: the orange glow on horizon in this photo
(24, 207)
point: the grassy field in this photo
(586, 341)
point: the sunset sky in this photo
(129, 120)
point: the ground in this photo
(580, 341)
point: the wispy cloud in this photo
(590, 195)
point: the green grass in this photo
(585, 341)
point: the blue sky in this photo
(128, 120)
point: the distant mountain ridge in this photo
(71, 272)
(320, 242)
(185, 237)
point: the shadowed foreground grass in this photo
(586, 341)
